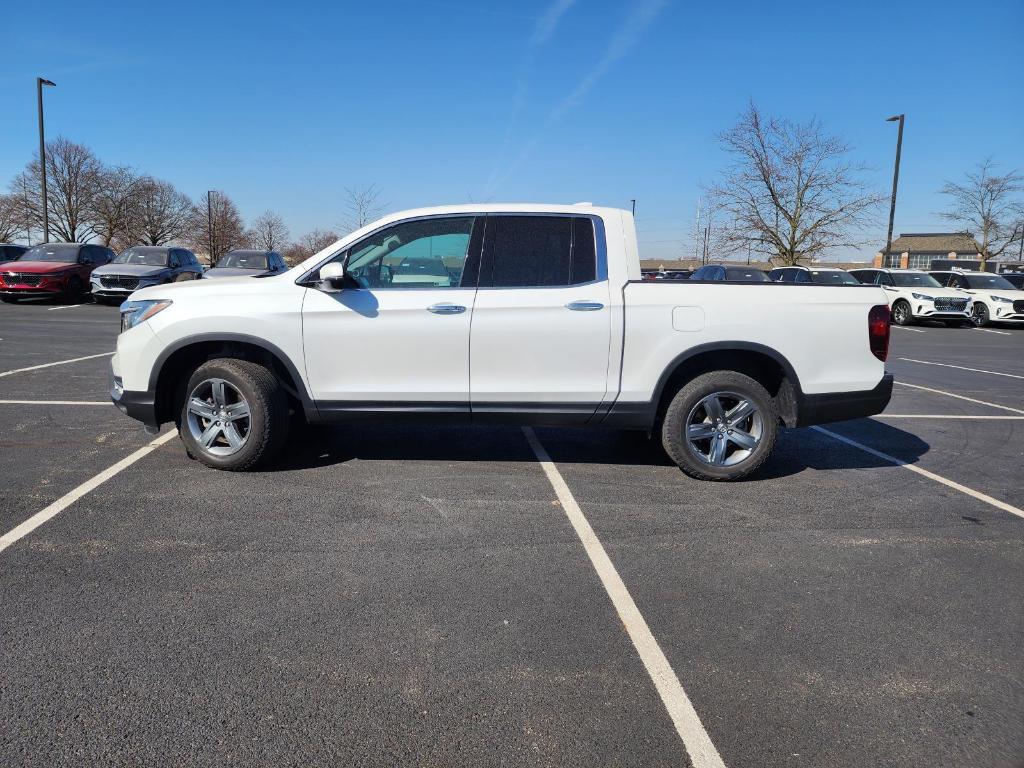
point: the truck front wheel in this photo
(234, 415)
(721, 425)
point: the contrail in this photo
(543, 31)
(620, 44)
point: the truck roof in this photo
(577, 208)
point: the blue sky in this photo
(283, 105)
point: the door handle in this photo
(584, 306)
(446, 309)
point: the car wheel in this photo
(73, 291)
(720, 426)
(234, 415)
(979, 315)
(901, 314)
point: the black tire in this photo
(9, 299)
(687, 403)
(267, 430)
(73, 291)
(901, 314)
(979, 315)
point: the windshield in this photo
(833, 278)
(914, 280)
(147, 257)
(244, 261)
(67, 254)
(746, 275)
(994, 282)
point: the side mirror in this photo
(332, 276)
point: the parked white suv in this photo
(995, 299)
(528, 314)
(915, 295)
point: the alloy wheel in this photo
(724, 428)
(979, 315)
(219, 417)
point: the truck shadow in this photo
(796, 449)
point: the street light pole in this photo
(40, 82)
(895, 184)
(209, 223)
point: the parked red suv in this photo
(55, 270)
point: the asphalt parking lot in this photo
(421, 596)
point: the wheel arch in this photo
(765, 365)
(185, 355)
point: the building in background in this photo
(918, 251)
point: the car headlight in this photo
(923, 297)
(135, 312)
(1001, 299)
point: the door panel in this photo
(528, 346)
(399, 341)
(540, 344)
(387, 345)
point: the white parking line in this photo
(904, 328)
(54, 402)
(65, 501)
(63, 306)
(962, 368)
(925, 473)
(698, 744)
(990, 330)
(960, 397)
(937, 416)
(59, 362)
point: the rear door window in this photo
(539, 251)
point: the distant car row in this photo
(72, 271)
(955, 297)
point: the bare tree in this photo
(73, 181)
(790, 191)
(10, 218)
(362, 206)
(227, 231)
(317, 240)
(112, 205)
(268, 232)
(990, 206)
(158, 214)
(308, 244)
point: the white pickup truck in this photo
(523, 314)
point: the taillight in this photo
(878, 331)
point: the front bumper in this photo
(840, 406)
(109, 293)
(25, 293)
(140, 406)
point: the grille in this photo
(15, 278)
(117, 281)
(949, 304)
(1018, 306)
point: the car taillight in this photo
(878, 331)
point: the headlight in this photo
(1001, 299)
(135, 312)
(923, 297)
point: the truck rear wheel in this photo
(234, 415)
(721, 425)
